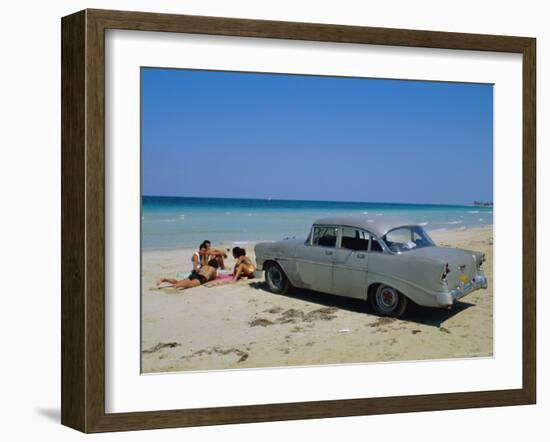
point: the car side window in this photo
(353, 239)
(324, 236)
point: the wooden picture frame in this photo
(83, 220)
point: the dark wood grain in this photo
(308, 410)
(73, 254)
(145, 21)
(95, 221)
(529, 221)
(83, 219)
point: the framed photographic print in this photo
(270, 220)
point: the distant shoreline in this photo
(286, 200)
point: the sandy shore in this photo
(243, 325)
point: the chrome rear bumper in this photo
(449, 298)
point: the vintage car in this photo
(386, 261)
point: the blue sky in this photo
(246, 135)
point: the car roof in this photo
(377, 224)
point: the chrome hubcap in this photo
(386, 299)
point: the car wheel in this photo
(387, 301)
(275, 278)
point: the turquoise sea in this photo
(176, 222)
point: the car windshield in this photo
(403, 239)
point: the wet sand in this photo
(243, 325)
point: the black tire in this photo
(275, 279)
(387, 301)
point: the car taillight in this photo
(481, 261)
(445, 272)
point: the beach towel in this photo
(221, 280)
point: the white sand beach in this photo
(243, 325)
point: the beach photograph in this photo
(303, 220)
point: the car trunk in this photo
(462, 263)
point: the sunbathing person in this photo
(217, 254)
(198, 259)
(243, 265)
(206, 273)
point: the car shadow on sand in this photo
(434, 317)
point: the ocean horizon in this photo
(170, 222)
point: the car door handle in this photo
(361, 256)
(328, 252)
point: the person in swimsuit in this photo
(207, 272)
(217, 254)
(243, 265)
(198, 259)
